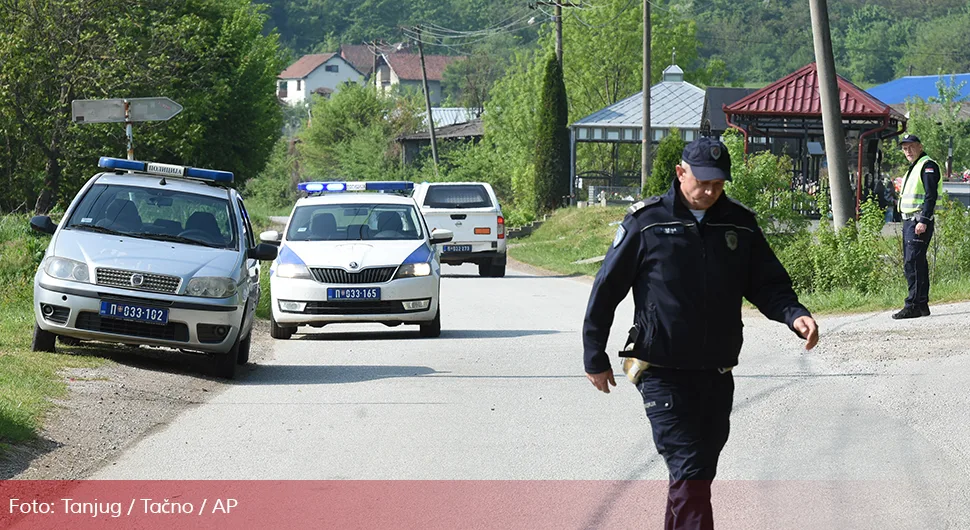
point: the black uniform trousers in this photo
(915, 266)
(689, 413)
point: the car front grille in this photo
(373, 275)
(158, 283)
(377, 307)
(174, 331)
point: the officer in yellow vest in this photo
(922, 185)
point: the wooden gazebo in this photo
(786, 118)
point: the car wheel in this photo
(243, 356)
(485, 269)
(43, 340)
(498, 268)
(279, 332)
(226, 363)
(433, 328)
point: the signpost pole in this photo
(128, 133)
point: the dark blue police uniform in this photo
(688, 280)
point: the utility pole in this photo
(842, 200)
(427, 102)
(557, 18)
(645, 154)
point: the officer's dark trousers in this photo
(915, 266)
(689, 413)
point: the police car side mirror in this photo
(43, 223)
(270, 236)
(263, 252)
(440, 235)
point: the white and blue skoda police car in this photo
(356, 257)
(152, 254)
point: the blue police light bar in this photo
(165, 170)
(325, 187)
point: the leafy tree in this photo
(352, 134)
(935, 122)
(468, 83)
(510, 121)
(874, 41)
(939, 46)
(209, 55)
(552, 140)
(665, 160)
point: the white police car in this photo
(152, 254)
(356, 257)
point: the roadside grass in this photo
(30, 381)
(567, 236)
(261, 223)
(573, 234)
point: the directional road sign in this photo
(113, 110)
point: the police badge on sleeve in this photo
(731, 239)
(620, 233)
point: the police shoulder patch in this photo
(637, 206)
(620, 233)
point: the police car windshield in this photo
(354, 222)
(151, 213)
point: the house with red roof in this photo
(317, 73)
(404, 69)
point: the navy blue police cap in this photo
(708, 159)
(910, 139)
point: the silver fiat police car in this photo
(152, 254)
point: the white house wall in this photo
(332, 80)
(321, 78)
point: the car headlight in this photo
(413, 270)
(293, 270)
(211, 287)
(67, 269)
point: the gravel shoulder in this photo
(113, 406)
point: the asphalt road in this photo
(867, 431)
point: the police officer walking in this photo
(917, 201)
(689, 256)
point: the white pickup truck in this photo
(471, 211)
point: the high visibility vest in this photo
(912, 195)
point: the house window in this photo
(658, 134)
(298, 84)
(612, 134)
(628, 134)
(688, 135)
(332, 68)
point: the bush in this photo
(665, 160)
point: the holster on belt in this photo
(633, 367)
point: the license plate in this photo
(138, 313)
(458, 248)
(354, 293)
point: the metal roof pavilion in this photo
(673, 103)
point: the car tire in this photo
(497, 270)
(279, 332)
(68, 341)
(485, 269)
(43, 340)
(226, 363)
(433, 328)
(243, 357)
